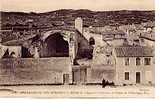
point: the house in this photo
(114, 37)
(9, 51)
(134, 65)
(149, 26)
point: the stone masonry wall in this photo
(98, 73)
(34, 71)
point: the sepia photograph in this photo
(77, 48)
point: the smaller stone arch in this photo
(91, 41)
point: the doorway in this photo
(80, 76)
(66, 78)
(138, 76)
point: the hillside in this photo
(67, 16)
(28, 24)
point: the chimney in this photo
(79, 24)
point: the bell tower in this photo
(79, 24)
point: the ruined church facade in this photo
(65, 55)
(47, 58)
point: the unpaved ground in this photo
(37, 87)
(77, 91)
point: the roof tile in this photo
(133, 51)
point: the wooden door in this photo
(79, 76)
(66, 78)
(138, 77)
(76, 76)
(83, 76)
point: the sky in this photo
(95, 5)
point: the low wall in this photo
(34, 71)
(97, 73)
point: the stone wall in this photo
(102, 66)
(34, 71)
(97, 37)
(84, 49)
(98, 73)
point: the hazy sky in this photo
(99, 5)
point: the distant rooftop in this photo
(106, 32)
(17, 42)
(149, 24)
(64, 28)
(133, 51)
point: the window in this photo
(147, 61)
(126, 61)
(126, 75)
(137, 61)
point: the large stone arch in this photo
(57, 43)
(55, 46)
(64, 33)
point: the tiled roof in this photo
(147, 38)
(127, 27)
(139, 27)
(17, 42)
(150, 24)
(106, 32)
(133, 51)
(13, 43)
(63, 28)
